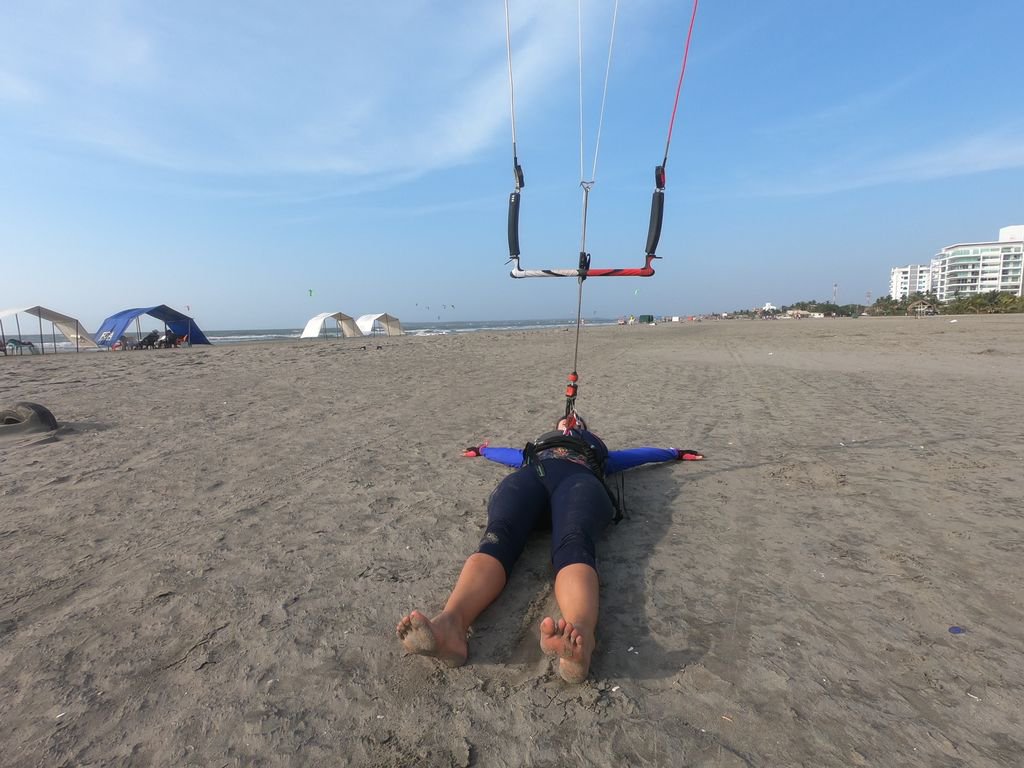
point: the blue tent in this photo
(114, 326)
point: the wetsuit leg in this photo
(514, 509)
(580, 511)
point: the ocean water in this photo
(250, 335)
(409, 329)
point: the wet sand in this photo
(206, 565)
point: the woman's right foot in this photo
(441, 638)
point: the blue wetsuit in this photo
(559, 489)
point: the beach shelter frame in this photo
(113, 327)
(921, 307)
(318, 325)
(391, 325)
(71, 329)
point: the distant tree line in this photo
(977, 303)
(991, 302)
(826, 308)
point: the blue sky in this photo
(230, 157)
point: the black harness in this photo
(571, 443)
(595, 461)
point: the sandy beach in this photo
(205, 564)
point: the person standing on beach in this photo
(559, 482)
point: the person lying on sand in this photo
(560, 482)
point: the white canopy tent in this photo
(379, 323)
(71, 329)
(346, 325)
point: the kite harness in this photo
(593, 456)
(583, 269)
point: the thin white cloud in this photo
(353, 90)
(114, 51)
(861, 105)
(66, 43)
(994, 150)
(379, 91)
(436, 108)
(14, 88)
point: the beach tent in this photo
(346, 325)
(113, 327)
(379, 323)
(72, 330)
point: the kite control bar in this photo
(645, 271)
(584, 270)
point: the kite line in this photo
(583, 270)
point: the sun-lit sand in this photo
(206, 566)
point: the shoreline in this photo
(268, 335)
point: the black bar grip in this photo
(513, 224)
(657, 214)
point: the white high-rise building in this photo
(965, 269)
(908, 280)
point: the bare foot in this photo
(441, 638)
(551, 636)
(571, 644)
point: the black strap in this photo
(594, 464)
(570, 443)
(619, 497)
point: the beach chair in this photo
(148, 341)
(19, 346)
(168, 341)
